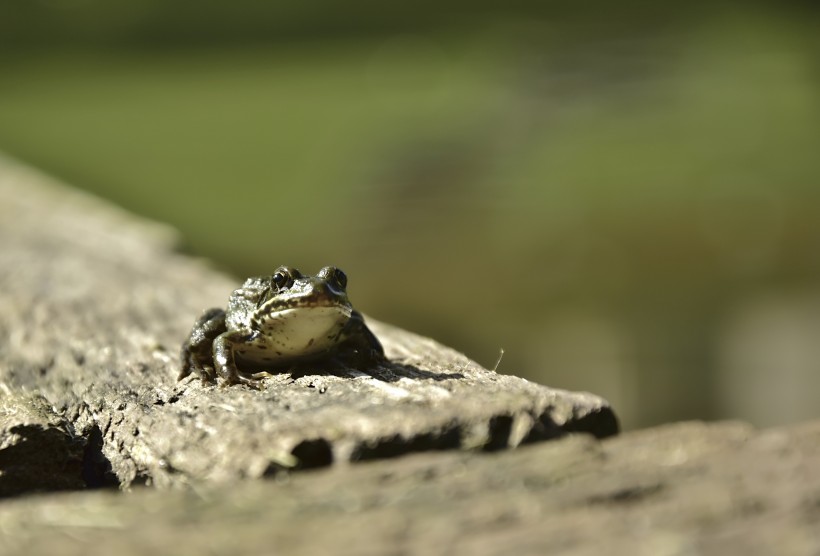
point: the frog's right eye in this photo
(341, 278)
(282, 280)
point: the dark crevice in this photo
(141, 479)
(46, 367)
(544, 428)
(627, 495)
(45, 459)
(601, 423)
(314, 453)
(96, 470)
(171, 400)
(79, 358)
(398, 445)
(499, 431)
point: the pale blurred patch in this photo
(582, 350)
(768, 354)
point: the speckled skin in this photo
(277, 321)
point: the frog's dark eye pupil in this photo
(280, 280)
(341, 278)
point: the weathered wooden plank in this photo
(94, 304)
(37, 452)
(691, 488)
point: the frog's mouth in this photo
(301, 303)
(303, 309)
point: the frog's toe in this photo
(208, 379)
(185, 372)
(252, 381)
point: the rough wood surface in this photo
(94, 305)
(37, 452)
(684, 489)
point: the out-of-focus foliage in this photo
(160, 23)
(624, 199)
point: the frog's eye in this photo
(282, 280)
(341, 278)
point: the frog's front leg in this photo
(367, 350)
(225, 361)
(196, 351)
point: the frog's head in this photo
(293, 312)
(290, 290)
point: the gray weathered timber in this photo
(37, 453)
(684, 489)
(94, 304)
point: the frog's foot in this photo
(196, 351)
(185, 370)
(208, 376)
(206, 372)
(253, 381)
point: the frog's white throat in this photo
(301, 331)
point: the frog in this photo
(280, 321)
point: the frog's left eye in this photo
(282, 280)
(341, 278)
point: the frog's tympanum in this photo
(276, 322)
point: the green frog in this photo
(278, 321)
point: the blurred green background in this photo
(624, 197)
